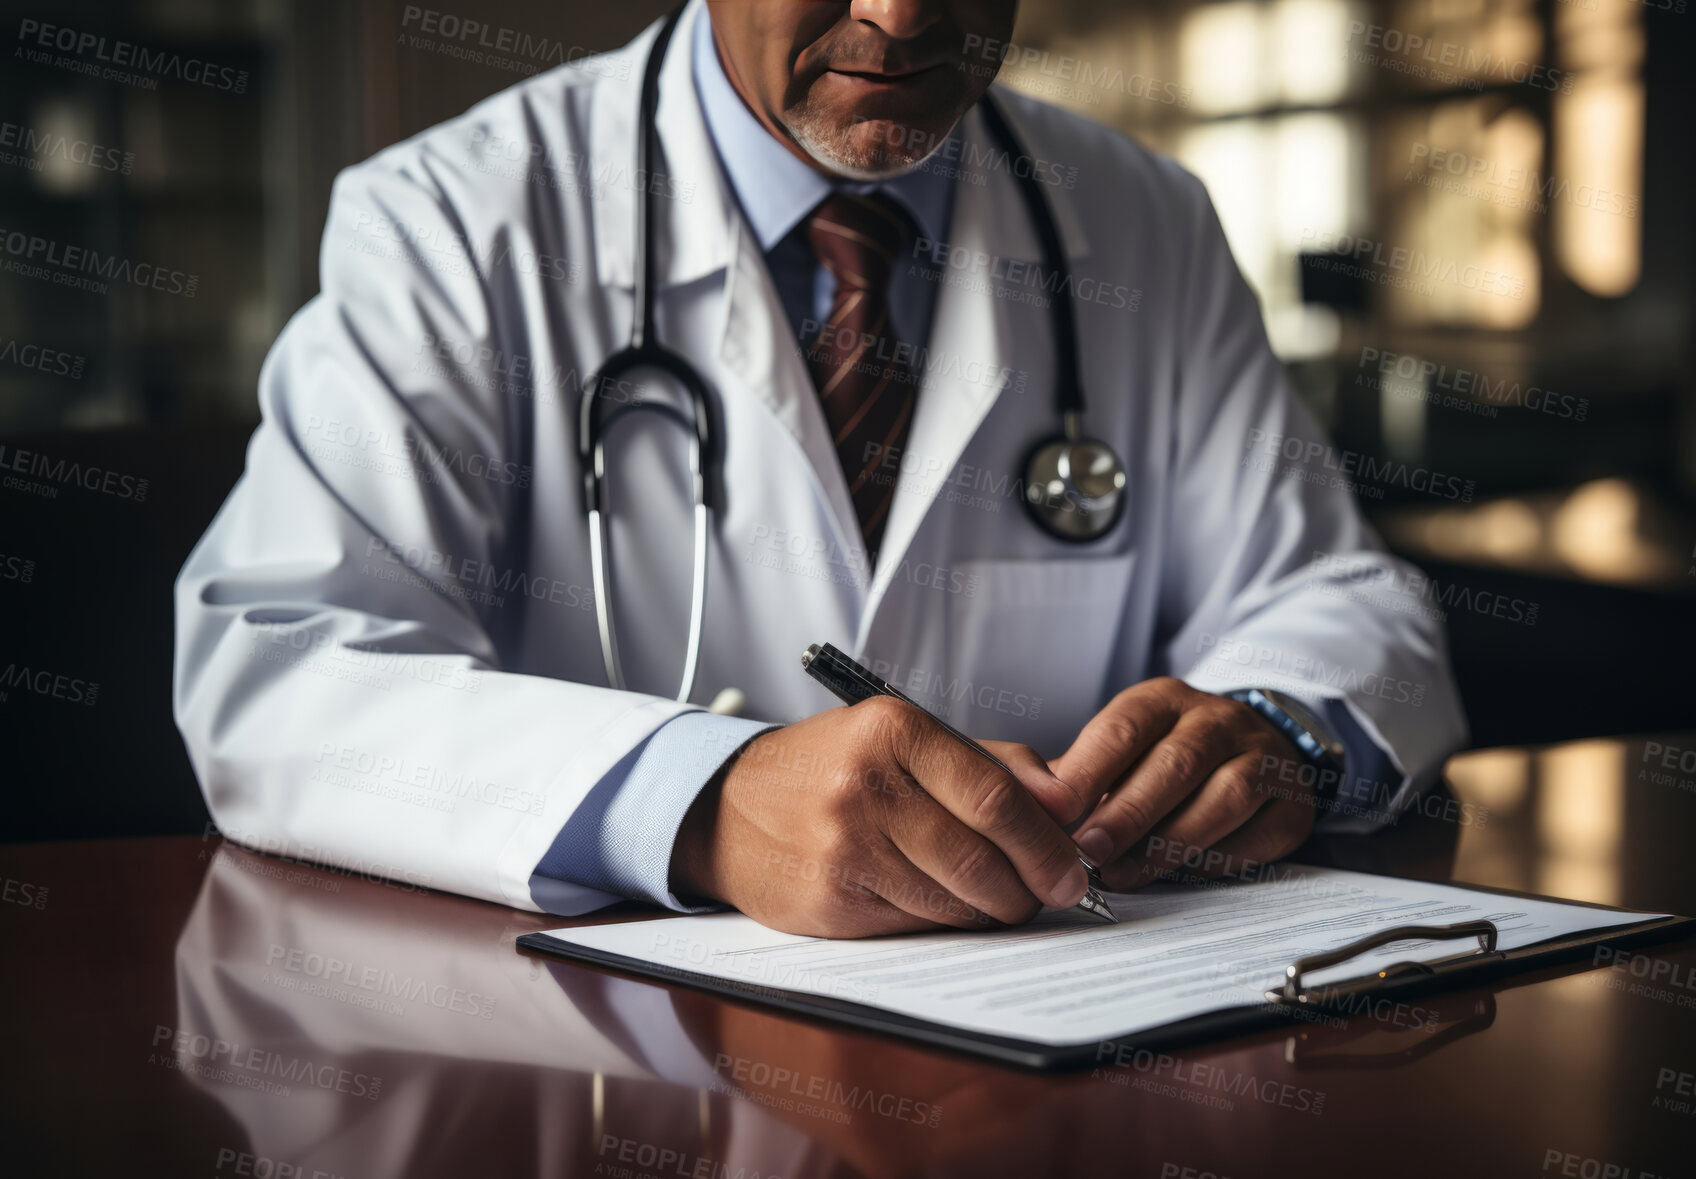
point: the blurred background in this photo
(1468, 223)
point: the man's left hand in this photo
(1179, 782)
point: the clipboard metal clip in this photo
(1293, 992)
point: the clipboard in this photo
(1291, 1002)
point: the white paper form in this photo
(1063, 979)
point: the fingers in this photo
(847, 902)
(935, 883)
(1117, 737)
(1271, 833)
(1065, 803)
(986, 799)
(963, 866)
(868, 916)
(1225, 802)
(1176, 767)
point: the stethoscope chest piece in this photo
(1074, 486)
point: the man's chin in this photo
(866, 149)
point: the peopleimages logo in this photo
(774, 1079)
(83, 269)
(37, 40)
(1409, 263)
(1424, 57)
(940, 258)
(1458, 166)
(1200, 1078)
(1064, 68)
(953, 690)
(49, 361)
(15, 568)
(56, 685)
(407, 453)
(476, 41)
(236, 1063)
(1438, 379)
(67, 473)
(1303, 669)
(40, 146)
(328, 968)
(651, 1160)
(1569, 1165)
(1311, 458)
(1404, 590)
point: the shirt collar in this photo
(775, 189)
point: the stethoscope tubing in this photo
(643, 351)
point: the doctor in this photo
(976, 393)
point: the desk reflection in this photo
(356, 1030)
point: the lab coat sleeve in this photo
(337, 684)
(1270, 576)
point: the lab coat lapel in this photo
(760, 350)
(689, 240)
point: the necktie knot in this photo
(858, 238)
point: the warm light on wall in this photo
(1220, 56)
(1605, 530)
(1303, 36)
(1598, 532)
(1580, 818)
(1598, 146)
(1227, 156)
(1599, 143)
(1503, 530)
(66, 120)
(1468, 198)
(1497, 779)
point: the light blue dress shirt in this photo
(620, 839)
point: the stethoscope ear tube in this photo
(1053, 496)
(603, 598)
(596, 501)
(643, 352)
(1068, 385)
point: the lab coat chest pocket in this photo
(1030, 644)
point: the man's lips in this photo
(885, 77)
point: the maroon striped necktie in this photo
(865, 384)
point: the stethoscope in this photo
(1074, 484)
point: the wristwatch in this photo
(1305, 731)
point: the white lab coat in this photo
(437, 715)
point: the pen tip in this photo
(1097, 904)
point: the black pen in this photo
(852, 683)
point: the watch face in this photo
(1299, 712)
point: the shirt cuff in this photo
(620, 838)
(1374, 789)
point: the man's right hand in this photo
(873, 820)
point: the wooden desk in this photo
(179, 1006)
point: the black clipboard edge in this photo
(1039, 1057)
